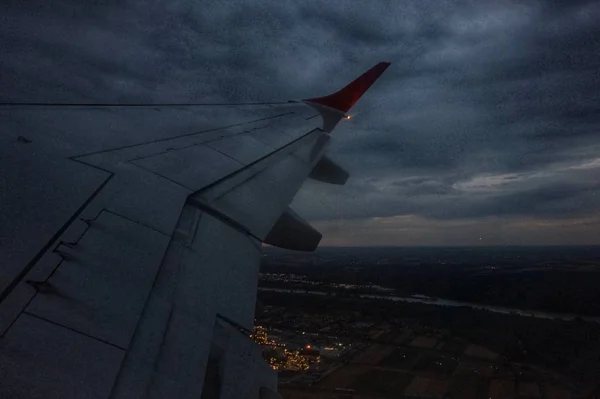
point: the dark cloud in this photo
(490, 108)
(552, 201)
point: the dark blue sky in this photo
(483, 131)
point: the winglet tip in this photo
(345, 98)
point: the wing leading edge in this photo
(140, 280)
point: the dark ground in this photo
(569, 348)
(558, 279)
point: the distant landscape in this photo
(531, 311)
(553, 279)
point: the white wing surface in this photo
(131, 241)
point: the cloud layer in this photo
(487, 121)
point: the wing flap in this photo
(104, 298)
(43, 360)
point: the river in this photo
(449, 302)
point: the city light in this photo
(287, 360)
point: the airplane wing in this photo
(130, 240)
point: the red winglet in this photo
(344, 99)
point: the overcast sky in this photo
(484, 131)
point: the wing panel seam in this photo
(177, 137)
(72, 330)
